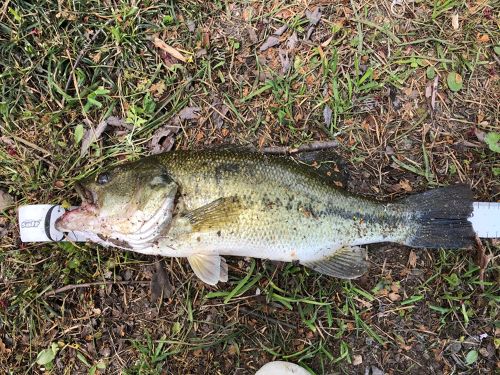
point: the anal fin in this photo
(209, 268)
(348, 262)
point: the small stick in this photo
(315, 146)
(87, 285)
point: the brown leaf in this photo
(3, 349)
(405, 185)
(357, 360)
(394, 297)
(454, 21)
(158, 43)
(5, 200)
(189, 113)
(157, 89)
(92, 135)
(412, 259)
(270, 42)
(160, 284)
(483, 38)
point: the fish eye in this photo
(103, 178)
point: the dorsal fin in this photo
(327, 164)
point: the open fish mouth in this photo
(89, 198)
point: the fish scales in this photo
(289, 212)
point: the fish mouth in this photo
(86, 209)
(89, 198)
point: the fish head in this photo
(126, 203)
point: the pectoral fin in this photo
(215, 214)
(345, 263)
(209, 268)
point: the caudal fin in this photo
(440, 216)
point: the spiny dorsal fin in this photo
(214, 214)
(346, 263)
(327, 164)
(209, 268)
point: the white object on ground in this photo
(281, 368)
(36, 222)
(486, 219)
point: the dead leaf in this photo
(270, 42)
(314, 17)
(191, 25)
(157, 89)
(119, 122)
(189, 113)
(412, 259)
(394, 297)
(483, 38)
(158, 43)
(292, 41)
(160, 284)
(281, 30)
(96, 57)
(5, 200)
(482, 259)
(92, 135)
(480, 135)
(219, 113)
(252, 34)
(454, 21)
(327, 115)
(3, 349)
(357, 360)
(163, 138)
(285, 60)
(405, 185)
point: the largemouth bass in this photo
(207, 204)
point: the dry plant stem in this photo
(98, 283)
(315, 146)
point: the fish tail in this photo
(440, 216)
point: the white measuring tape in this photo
(36, 222)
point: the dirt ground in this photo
(405, 92)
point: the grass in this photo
(66, 67)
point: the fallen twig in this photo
(98, 283)
(314, 146)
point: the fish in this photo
(206, 205)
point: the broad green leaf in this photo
(431, 72)
(101, 91)
(47, 355)
(78, 133)
(471, 357)
(497, 50)
(454, 81)
(493, 141)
